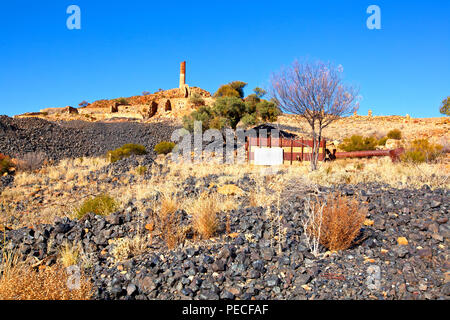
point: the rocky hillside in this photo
(76, 138)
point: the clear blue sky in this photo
(127, 47)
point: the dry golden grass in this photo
(69, 255)
(124, 248)
(339, 223)
(167, 221)
(204, 211)
(260, 197)
(20, 281)
(382, 170)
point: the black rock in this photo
(226, 295)
(267, 254)
(62, 228)
(302, 279)
(258, 265)
(208, 295)
(218, 265)
(131, 289)
(208, 260)
(273, 281)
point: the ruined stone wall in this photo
(169, 103)
(65, 110)
(129, 115)
(129, 109)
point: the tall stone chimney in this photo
(182, 74)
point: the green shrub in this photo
(5, 164)
(382, 141)
(359, 143)
(226, 91)
(122, 101)
(83, 103)
(232, 89)
(268, 111)
(100, 205)
(197, 100)
(249, 120)
(239, 87)
(394, 134)
(251, 101)
(259, 92)
(204, 114)
(421, 150)
(445, 106)
(230, 108)
(217, 122)
(125, 151)
(164, 147)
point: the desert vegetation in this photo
(421, 150)
(24, 280)
(164, 147)
(230, 108)
(359, 143)
(196, 100)
(5, 164)
(83, 103)
(125, 151)
(445, 106)
(102, 205)
(335, 223)
(395, 134)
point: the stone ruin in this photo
(65, 110)
(163, 103)
(173, 102)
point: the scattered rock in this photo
(402, 241)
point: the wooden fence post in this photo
(303, 145)
(292, 150)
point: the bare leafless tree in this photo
(314, 91)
